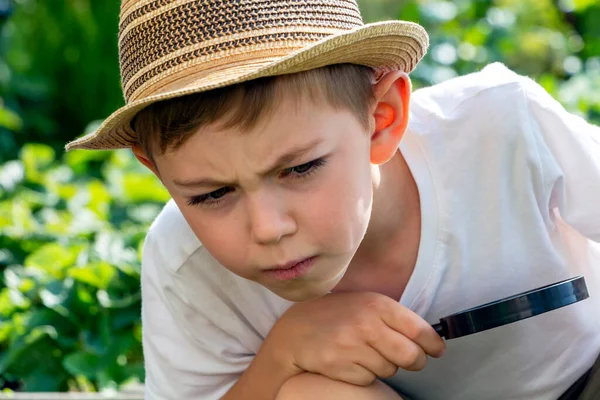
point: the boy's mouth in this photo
(291, 270)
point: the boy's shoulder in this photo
(476, 130)
(493, 86)
(485, 111)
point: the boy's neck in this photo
(387, 255)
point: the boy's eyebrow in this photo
(282, 161)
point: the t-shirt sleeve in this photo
(176, 367)
(569, 152)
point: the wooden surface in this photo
(71, 396)
(135, 392)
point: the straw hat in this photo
(171, 48)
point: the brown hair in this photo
(167, 125)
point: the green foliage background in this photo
(72, 225)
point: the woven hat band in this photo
(211, 54)
(193, 67)
(157, 36)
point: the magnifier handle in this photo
(439, 329)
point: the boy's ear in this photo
(144, 159)
(390, 115)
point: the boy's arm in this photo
(569, 151)
(347, 337)
(264, 377)
(351, 338)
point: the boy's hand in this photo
(354, 338)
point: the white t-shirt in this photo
(510, 197)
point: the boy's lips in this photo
(291, 270)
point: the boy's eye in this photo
(217, 194)
(304, 169)
(211, 198)
(214, 198)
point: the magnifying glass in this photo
(513, 309)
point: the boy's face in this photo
(295, 189)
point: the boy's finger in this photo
(415, 328)
(400, 350)
(379, 365)
(354, 374)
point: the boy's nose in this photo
(269, 219)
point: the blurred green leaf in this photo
(7, 307)
(16, 218)
(82, 161)
(23, 343)
(54, 296)
(80, 363)
(53, 258)
(98, 274)
(143, 188)
(100, 199)
(36, 159)
(10, 120)
(581, 5)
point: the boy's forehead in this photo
(283, 103)
(291, 129)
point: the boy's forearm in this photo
(316, 387)
(264, 377)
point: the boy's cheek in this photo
(228, 250)
(347, 209)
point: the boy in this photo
(319, 226)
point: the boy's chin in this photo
(298, 296)
(308, 292)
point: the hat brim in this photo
(385, 46)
